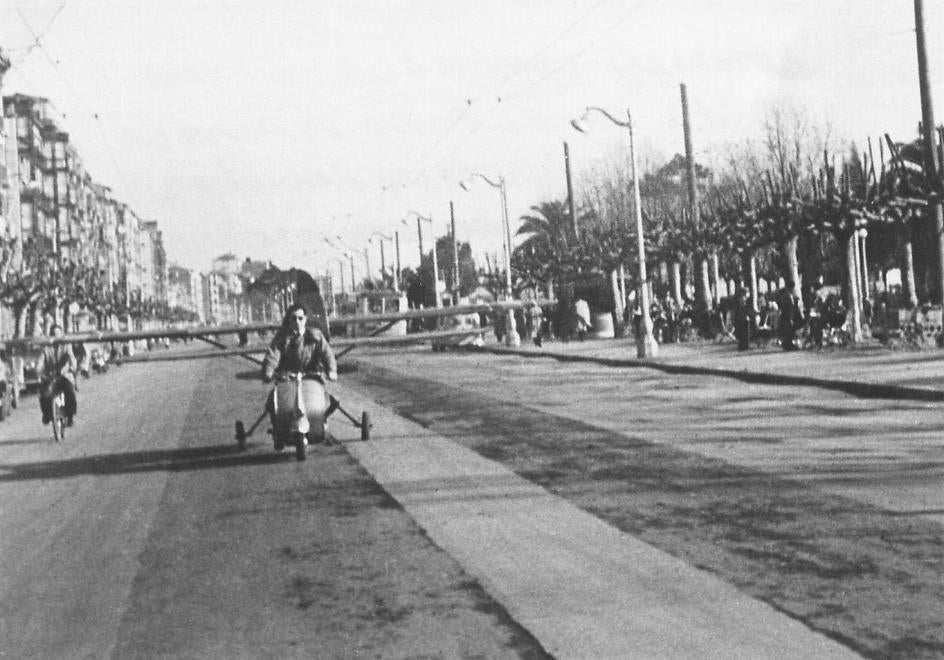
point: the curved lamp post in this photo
(646, 346)
(512, 338)
(419, 232)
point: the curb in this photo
(861, 390)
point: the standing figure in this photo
(743, 313)
(582, 318)
(789, 316)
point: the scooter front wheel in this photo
(301, 446)
(240, 434)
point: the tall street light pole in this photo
(646, 346)
(383, 263)
(932, 165)
(455, 254)
(419, 232)
(512, 338)
(397, 268)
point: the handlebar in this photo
(297, 375)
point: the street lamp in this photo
(347, 255)
(419, 233)
(366, 254)
(383, 264)
(512, 338)
(646, 346)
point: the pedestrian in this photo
(790, 317)
(582, 318)
(536, 321)
(742, 319)
(498, 324)
(817, 307)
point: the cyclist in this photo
(58, 365)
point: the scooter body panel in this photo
(297, 404)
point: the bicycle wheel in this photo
(58, 423)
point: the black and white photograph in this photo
(496, 329)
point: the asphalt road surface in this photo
(147, 534)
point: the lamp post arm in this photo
(624, 124)
(489, 181)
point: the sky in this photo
(261, 127)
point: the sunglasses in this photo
(299, 318)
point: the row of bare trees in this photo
(41, 289)
(789, 208)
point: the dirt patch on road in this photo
(854, 572)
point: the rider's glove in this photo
(332, 375)
(266, 378)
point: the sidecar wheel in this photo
(301, 447)
(365, 425)
(240, 434)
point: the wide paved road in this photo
(146, 534)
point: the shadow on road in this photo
(28, 441)
(169, 460)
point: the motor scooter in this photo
(299, 401)
(300, 406)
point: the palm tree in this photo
(545, 253)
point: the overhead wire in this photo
(54, 63)
(37, 38)
(494, 97)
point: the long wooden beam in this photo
(239, 351)
(196, 332)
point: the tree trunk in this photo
(20, 315)
(793, 267)
(703, 284)
(617, 303)
(749, 276)
(852, 289)
(716, 278)
(36, 319)
(863, 267)
(675, 276)
(910, 292)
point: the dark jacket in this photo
(309, 353)
(57, 361)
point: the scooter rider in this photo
(297, 348)
(57, 366)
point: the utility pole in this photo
(419, 235)
(570, 191)
(455, 255)
(931, 165)
(702, 285)
(396, 273)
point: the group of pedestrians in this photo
(785, 316)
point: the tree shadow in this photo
(46, 439)
(159, 460)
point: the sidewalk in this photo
(868, 370)
(581, 587)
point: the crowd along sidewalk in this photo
(868, 369)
